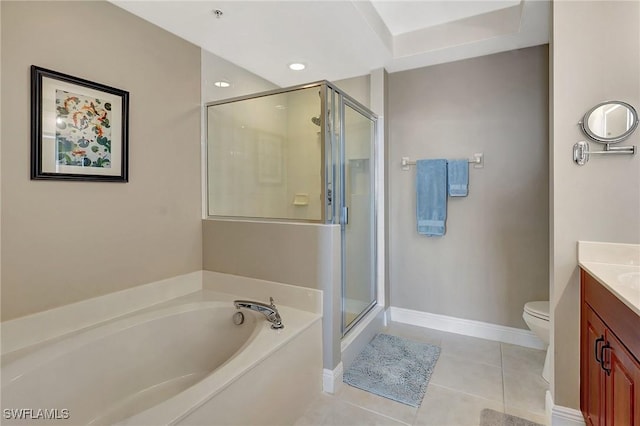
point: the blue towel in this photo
(458, 174)
(431, 196)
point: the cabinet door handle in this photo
(597, 342)
(602, 362)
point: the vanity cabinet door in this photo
(609, 358)
(623, 384)
(592, 382)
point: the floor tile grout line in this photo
(415, 416)
(391, 401)
(465, 393)
(466, 358)
(524, 409)
(504, 392)
(517, 405)
(498, 370)
(457, 356)
(376, 412)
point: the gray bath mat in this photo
(395, 368)
(490, 417)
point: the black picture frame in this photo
(79, 129)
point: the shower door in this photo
(358, 218)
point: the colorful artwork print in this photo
(83, 131)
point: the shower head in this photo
(316, 121)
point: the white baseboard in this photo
(484, 330)
(562, 416)
(548, 406)
(332, 379)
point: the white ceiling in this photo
(406, 16)
(342, 39)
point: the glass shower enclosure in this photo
(301, 154)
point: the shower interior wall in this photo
(267, 159)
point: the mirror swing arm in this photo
(581, 150)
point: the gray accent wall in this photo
(494, 256)
(63, 242)
(596, 57)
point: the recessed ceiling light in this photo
(297, 66)
(221, 83)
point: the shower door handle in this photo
(345, 215)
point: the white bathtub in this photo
(184, 362)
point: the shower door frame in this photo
(346, 100)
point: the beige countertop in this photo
(616, 267)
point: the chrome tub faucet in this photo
(269, 311)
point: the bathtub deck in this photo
(240, 391)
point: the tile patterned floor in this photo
(470, 375)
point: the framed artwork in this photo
(79, 129)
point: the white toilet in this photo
(536, 315)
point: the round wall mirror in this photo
(610, 122)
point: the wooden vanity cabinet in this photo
(609, 352)
(592, 376)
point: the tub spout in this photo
(269, 311)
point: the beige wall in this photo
(67, 241)
(596, 57)
(301, 254)
(359, 88)
(243, 82)
(494, 256)
(273, 251)
(0, 155)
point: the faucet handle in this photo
(271, 301)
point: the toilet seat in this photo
(539, 310)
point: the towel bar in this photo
(477, 161)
